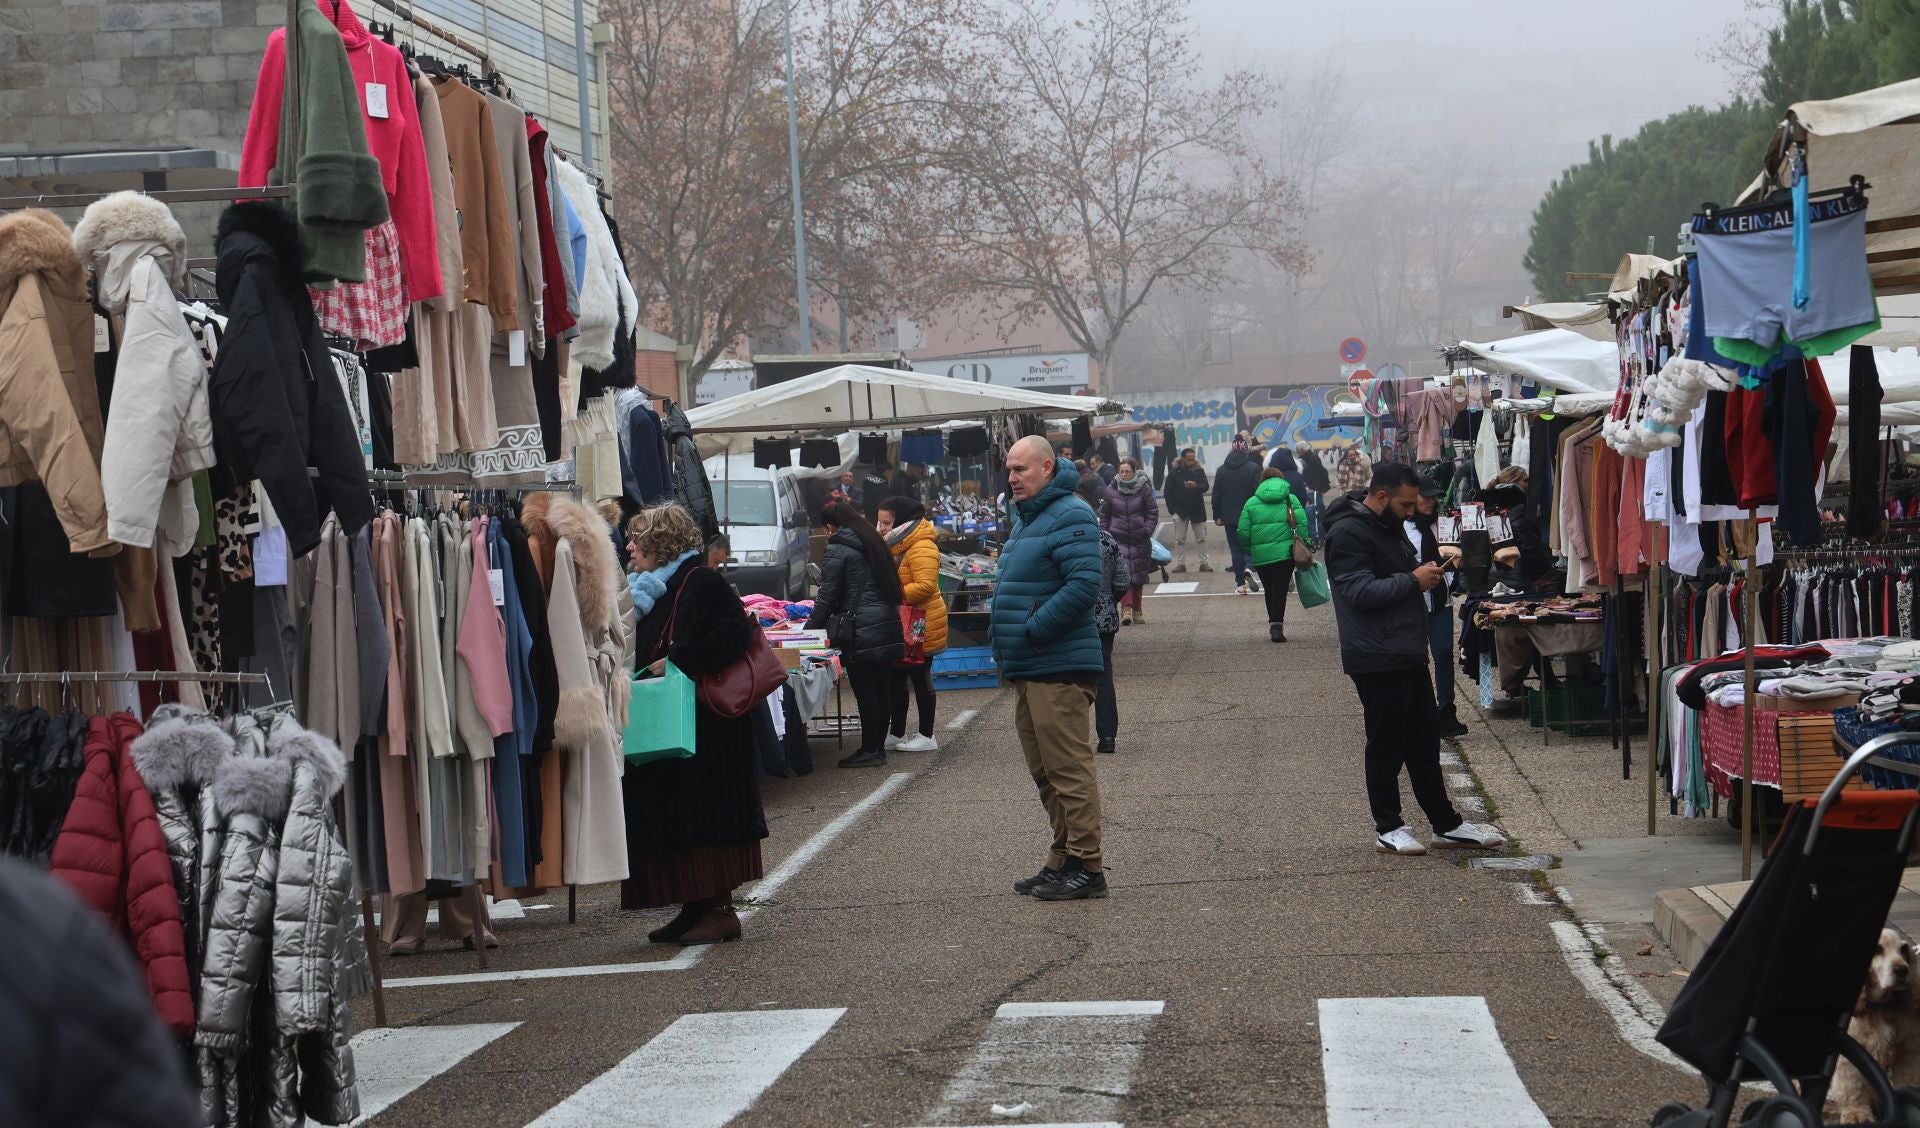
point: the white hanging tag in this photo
(516, 348)
(497, 581)
(377, 100)
(102, 336)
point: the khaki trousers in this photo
(1055, 734)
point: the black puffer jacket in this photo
(847, 587)
(1377, 603)
(690, 486)
(1233, 486)
(81, 1044)
(277, 405)
(1186, 492)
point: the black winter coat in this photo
(713, 797)
(1186, 492)
(847, 587)
(1377, 604)
(81, 1045)
(1233, 486)
(276, 403)
(690, 487)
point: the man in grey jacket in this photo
(1380, 604)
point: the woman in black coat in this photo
(693, 826)
(859, 605)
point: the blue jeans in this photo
(1238, 554)
(1440, 641)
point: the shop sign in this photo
(1032, 370)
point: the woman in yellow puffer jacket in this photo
(916, 552)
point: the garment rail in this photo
(176, 196)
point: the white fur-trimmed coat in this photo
(159, 433)
(605, 290)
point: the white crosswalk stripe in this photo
(392, 1062)
(1030, 1047)
(701, 1072)
(1420, 1063)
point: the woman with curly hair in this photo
(693, 826)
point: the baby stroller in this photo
(1772, 997)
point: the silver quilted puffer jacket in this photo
(313, 890)
(178, 759)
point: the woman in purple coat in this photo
(1131, 515)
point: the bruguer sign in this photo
(1032, 370)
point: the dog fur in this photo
(1886, 1021)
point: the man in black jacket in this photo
(1426, 517)
(1380, 604)
(1186, 498)
(1233, 486)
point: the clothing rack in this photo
(175, 196)
(438, 31)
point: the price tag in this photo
(377, 100)
(517, 348)
(497, 580)
(102, 336)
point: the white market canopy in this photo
(1589, 319)
(856, 397)
(1558, 358)
(1899, 389)
(1873, 134)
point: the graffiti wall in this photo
(1204, 420)
(1292, 416)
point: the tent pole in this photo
(1747, 709)
(1656, 663)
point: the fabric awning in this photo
(1559, 358)
(1589, 319)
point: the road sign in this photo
(1353, 350)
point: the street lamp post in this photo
(801, 319)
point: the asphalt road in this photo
(1256, 964)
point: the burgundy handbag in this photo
(744, 683)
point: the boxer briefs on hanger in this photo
(1747, 267)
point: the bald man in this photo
(1047, 646)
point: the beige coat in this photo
(50, 427)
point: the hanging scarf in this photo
(647, 587)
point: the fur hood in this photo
(33, 241)
(177, 753)
(592, 539)
(250, 785)
(299, 746)
(132, 217)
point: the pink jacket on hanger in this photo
(394, 138)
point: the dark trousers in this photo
(873, 694)
(915, 684)
(1440, 639)
(1236, 553)
(1402, 731)
(1276, 579)
(1106, 709)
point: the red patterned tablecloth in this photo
(1720, 737)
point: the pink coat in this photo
(394, 139)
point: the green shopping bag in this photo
(659, 718)
(1312, 584)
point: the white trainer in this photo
(1400, 841)
(893, 742)
(918, 742)
(1470, 836)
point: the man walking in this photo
(1380, 606)
(1046, 643)
(1186, 495)
(1426, 544)
(1233, 486)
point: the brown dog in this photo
(1886, 1021)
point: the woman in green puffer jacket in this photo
(1268, 525)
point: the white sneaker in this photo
(893, 742)
(1401, 842)
(1470, 836)
(1241, 590)
(918, 743)
(1253, 584)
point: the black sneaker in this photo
(1276, 632)
(870, 759)
(1450, 726)
(1073, 885)
(1047, 876)
(1105, 746)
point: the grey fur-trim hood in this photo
(249, 785)
(177, 753)
(297, 746)
(132, 217)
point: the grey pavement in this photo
(1245, 891)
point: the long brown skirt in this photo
(687, 875)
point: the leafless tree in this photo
(1091, 166)
(1742, 48)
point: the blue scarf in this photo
(647, 587)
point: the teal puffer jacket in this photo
(1042, 623)
(1268, 523)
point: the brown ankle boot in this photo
(719, 925)
(669, 933)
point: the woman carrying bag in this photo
(859, 605)
(1273, 531)
(694, 825)
(916, 552)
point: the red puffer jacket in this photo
(112, 853)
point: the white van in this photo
(765, 520)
